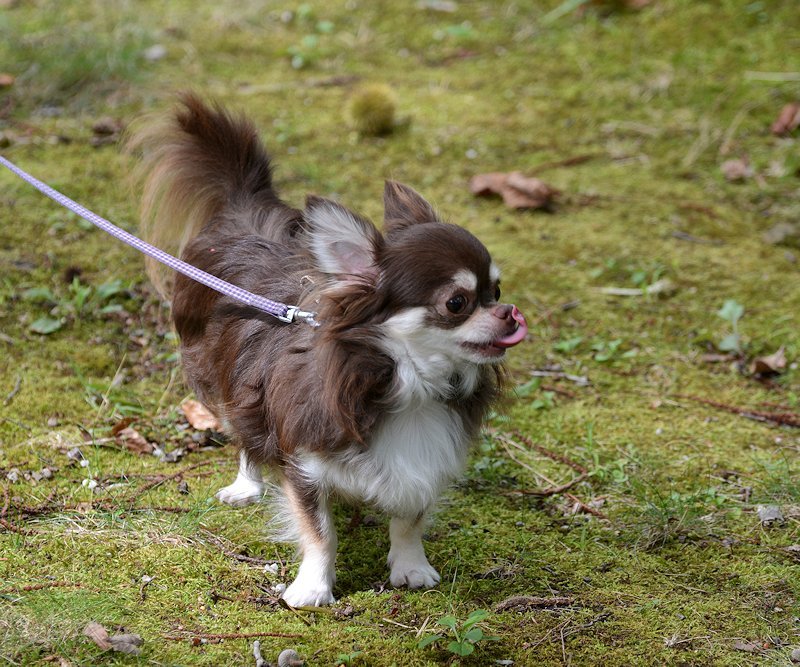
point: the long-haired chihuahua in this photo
(378, 404)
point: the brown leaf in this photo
(6, 80)
(121, 424)
(788, 120)
(747, 647)
(133, 441)
(771, 364)
(126, 643)
(98, 634)
(517, 190)
(484, 185)
(737, 170)
(199, 416)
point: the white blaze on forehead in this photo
(466, 280)
(494, 272)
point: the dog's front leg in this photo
(313, 585)
(407, 560)
(248, 486)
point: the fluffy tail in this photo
(195, 163)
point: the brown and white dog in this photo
(380, 403)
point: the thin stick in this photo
(586, 508)
(232, 635)
(14, 391)
(158, 482)
(38, 587)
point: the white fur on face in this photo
(494, 273)
(465, 280)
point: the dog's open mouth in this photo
(497, 347)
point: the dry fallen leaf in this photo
(6, 80)
(199, 416)
(788, 120)
(124, 643)
(98, 634)
(771, 364)
(517, 190)
(133, 441)
(737, 170)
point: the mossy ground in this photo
(681, 568)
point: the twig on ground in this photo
(220, 544)
(13, 392)
(506, 440)
(791, 419)
(5, 523)
(567, 162)
(39, 587)
(199, 636)
(580, 380)
(529, 602)
(166, 478)
(587, 509)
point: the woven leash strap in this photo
(276, 309)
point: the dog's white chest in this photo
(411, 457)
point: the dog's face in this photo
(436, 290)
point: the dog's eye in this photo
(497, 293)
(457, 304)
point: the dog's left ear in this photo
(343, 243)
(404, 206)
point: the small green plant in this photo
(463, 636)
(731, 312)
(347, 659)
(80, 300)
(568, 345)
(543, 402)
(608, 351)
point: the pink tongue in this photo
(518, 335)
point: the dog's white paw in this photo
(414, 574)
(242, 492)
(308, 594)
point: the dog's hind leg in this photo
(407, 561)
(247, 488)
(312, 518)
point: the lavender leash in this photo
(281, 311)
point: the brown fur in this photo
(284, 388)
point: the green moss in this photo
(658, 99)
(372, 110)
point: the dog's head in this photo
(429, 288)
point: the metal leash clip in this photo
(294, 315)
